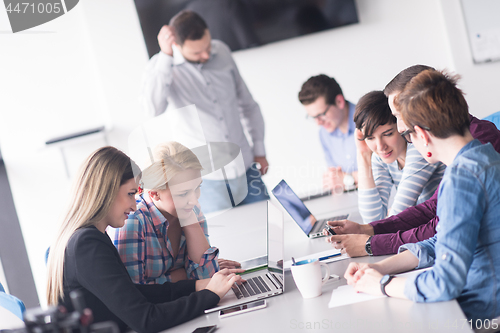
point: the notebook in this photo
(311, 226)
(265, 280)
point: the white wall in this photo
(361, 57)
(77, 72)
(84, 70)
(479, 81)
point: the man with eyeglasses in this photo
(416, 223)
(324, 102)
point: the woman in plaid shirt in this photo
(83, 257)
(166, 238)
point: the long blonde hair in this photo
(95, 189)
(170, 158)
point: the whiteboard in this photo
(482, 19)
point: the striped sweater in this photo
(415, 183)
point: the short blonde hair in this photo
(170, 158)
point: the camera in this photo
(56, 319)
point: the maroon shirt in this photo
(418, 223)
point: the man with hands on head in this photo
(324, 102)
(191, 68)
(416, 223)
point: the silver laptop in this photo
(311, 226)
(265, 280)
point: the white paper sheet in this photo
(345, 295)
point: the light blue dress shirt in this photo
(340, 148)
(465, 252)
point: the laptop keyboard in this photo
(251, 287)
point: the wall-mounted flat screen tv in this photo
(242, 24)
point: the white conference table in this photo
(240, 234)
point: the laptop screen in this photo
(275, 241)
(294, 206)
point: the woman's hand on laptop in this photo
(231, 264)
(223, 280)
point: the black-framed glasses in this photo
(321, 115)
(406, 134)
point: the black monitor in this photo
(243, 24)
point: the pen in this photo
(330, 256)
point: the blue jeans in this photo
(218, 195)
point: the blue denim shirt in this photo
(465, 252)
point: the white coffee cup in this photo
(307, 277)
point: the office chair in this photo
(494, 118)
(11, 303)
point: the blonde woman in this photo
(84, 258)
(166, 238)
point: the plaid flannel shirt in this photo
(147, 252)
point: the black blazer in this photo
(93, 266)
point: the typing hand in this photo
(222, 281)
(225, 263)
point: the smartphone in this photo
(336, 218)
(243, 308)
(330, 230)
(206, 329)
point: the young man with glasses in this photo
(325, 104)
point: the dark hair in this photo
(372, 111)
(317, 86)
(399, 82)
(433, 100)
(188, 25)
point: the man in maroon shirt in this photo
(414, 224)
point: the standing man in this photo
(191, 68)
(324, 102)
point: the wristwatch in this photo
(384, 281)
(368, 246)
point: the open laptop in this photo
(311, 226)
(265, 280)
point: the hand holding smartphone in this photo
(329, 229)
(242, 308)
